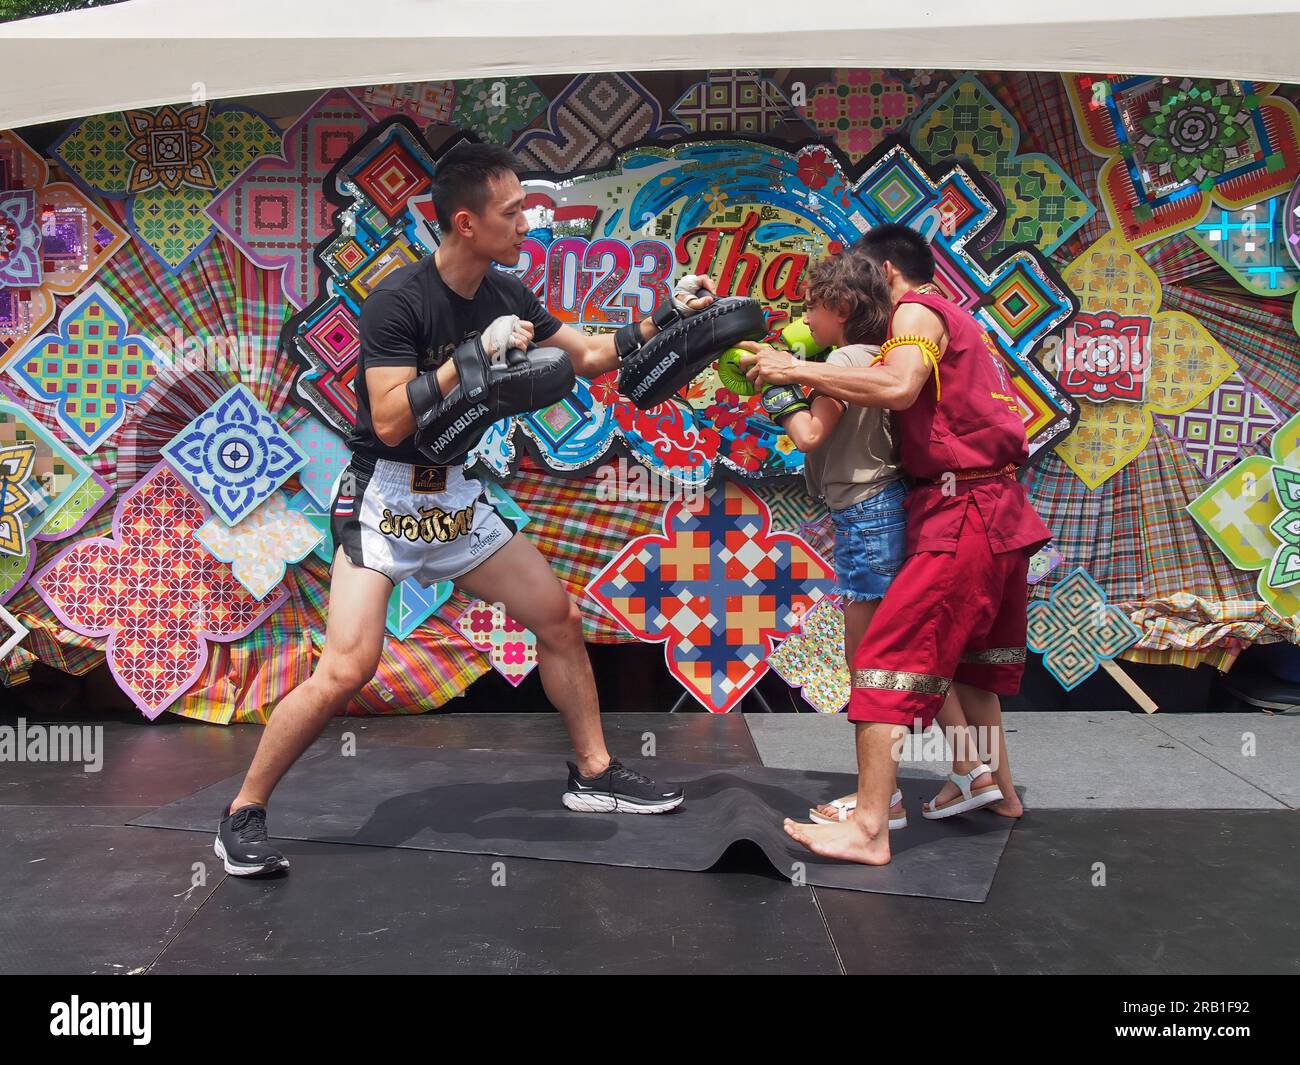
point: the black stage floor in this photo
(1185, 891)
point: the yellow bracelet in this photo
(924, 343)
(928, 348)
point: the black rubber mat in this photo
(507, 803)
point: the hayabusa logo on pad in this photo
(670, 360)
(459, 426)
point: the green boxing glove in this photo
(798, 338)
(782, 400)
(731, 376)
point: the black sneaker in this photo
(243, 846)
(619, 790)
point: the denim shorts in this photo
(870, 540)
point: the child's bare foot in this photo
(847, 841)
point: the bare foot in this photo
(847, 841)
(830, 813)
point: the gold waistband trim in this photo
(995, 656)
(900, 681)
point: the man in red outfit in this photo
(956, 612)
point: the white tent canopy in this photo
(149, 52)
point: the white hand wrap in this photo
(688, 288)
(496, 337)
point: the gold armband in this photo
(928, 348)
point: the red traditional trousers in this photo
(948, 615)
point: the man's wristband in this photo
(627, 339)
(665, 314)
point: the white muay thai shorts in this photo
(428, 522)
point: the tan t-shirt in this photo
(860, 457)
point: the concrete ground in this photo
(1095, 761)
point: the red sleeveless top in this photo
(974, 423)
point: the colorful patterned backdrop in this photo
(182, 283)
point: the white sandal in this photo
(844, 807)
(970, 800)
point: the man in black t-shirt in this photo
(395, 516)
(414, 318)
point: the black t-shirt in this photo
(413, 319)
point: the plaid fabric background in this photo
(1084, 529)
(1220, 660)
(1179, 259)
(1040, 106)
(434, 664)
(220, 295)
(1132, 533)
(245, 680)
(579, 533)
(46, 642)
(1255, 331)
(1180, 561)
(1135, 537)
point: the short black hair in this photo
(901, 245)
(461, 180)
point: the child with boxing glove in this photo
(850, 460)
